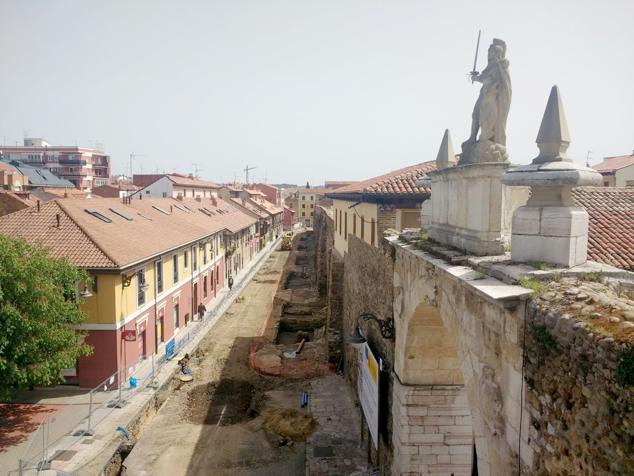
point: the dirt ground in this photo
(215, 424)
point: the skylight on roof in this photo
(161, 210)
(143, 216)
(182, 209)
(122, 214)
(98, 215)
(208, 210)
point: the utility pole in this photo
(246, 172)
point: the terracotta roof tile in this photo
(610, 164)
(611, 231)
(157, 225)
(398, 182)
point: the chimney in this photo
(58, 219)
(198, 199)
(179, 197)
(171, 209)
(214, 202)
(38, 206)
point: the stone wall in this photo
(386, 218)
(432, 430)
(581, 417)
(367, 286)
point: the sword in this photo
(475, 60)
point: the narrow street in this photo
(232, 420)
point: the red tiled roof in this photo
(247, 205)
(191, 182)
(157, 225)
(398, 182)
(610, 164)
(611, 232)
(143, 180)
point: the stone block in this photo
(457, 441)
(563, 221)
(568, 252)
(438, 420)
(455, 410)
(426, 438)
(464, 458)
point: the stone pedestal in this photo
(550, 227)
(472, 209)
(552, 234)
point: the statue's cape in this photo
(504, 101)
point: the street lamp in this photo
(386, 327)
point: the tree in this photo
(307, 184)
(39, 316)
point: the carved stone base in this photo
(482, 152)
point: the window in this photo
(311, 214)
(354, 224)
(186, 259)
(345, 225)
(312, 205)
(175, 316)
(340, 222)
(303, 214)
(140, 287)
(204, 245)
(362, 228)
(312, 197)
(175, 266)
(303, 205)
(205, 287)
(373, 231)
(159, 277)
(194, 258)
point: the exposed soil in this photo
(289, 423)
(222, 403)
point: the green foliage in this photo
(540, 265)
(422, 235)
(532, 283)
(592, 276)
(39, 313)
(625, 369)
(546, 343)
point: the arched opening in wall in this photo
(431, 414)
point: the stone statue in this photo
(491, 110)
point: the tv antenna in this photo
(196, 169)
(246, 173)
(588, 158)
(133, 156)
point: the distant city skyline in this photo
(305, 91)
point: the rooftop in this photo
(38, 177)
(611, 164)
(400, 182)
(107, 233)
(611, 231)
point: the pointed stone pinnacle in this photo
(553, 138)
(446, 157)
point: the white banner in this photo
(368, 390)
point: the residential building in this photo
(11, 178)
(85, 168)
(32, 177)
(120, 190)
(270, 192)
(288, 219)
(303, 202)
(617, 171)
(153, 261)
(173, 186)
(269, 218)
(366, 209)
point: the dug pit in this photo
(222, 403)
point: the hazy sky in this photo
(306, 90)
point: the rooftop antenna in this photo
(196, 169)
(133, 156)
(588, 158)
(246, 173)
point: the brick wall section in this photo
(368, 287)
(581, 418)
(386, 218)
(432, 430)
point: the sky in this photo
(306, 90)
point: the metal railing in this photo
(117, 389)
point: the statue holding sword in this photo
(491, 109)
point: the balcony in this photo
(72, 162)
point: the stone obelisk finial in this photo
(553, 137)
(550, 227)
(446, 157)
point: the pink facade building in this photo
(85, 168)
